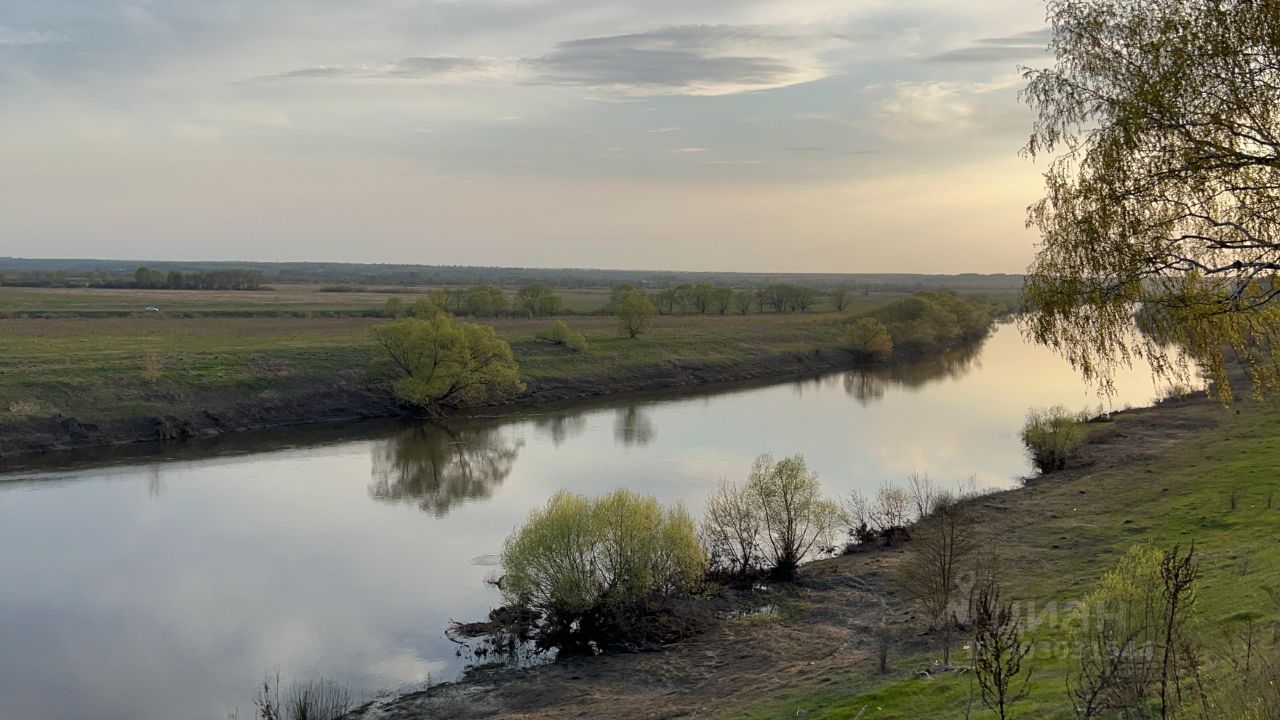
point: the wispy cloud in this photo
(938, 109)
(687, 150)
(411, 68)
(688, 60)
(16, 38)
(1010, 48)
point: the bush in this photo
(868, 339)
(635, 312)
(886, 516)
(583, 563)
(1053, 436)
(561, 334)
(437, 364)
(931, 321)
(426, 308)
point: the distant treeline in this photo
(143, 277)
(111, 273)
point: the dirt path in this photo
(819, 638)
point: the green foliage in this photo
(579, 556)
(426, 308)
(436, 364)
(538, 299)
(786, 297)
(635, 313)
(561, 334)
(927, 321)
(840, 299)
(145, 277)
(868, 339)
(1053, 435)
(1162, 119)
(393, 307)
(484, 300)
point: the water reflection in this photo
(173, 606)
(869, 385)
(561, 426)
(632, 426)
(438, 466)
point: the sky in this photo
(745, 135)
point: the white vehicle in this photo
(152, 308)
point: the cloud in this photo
(1007, 49)
(940, 109)
(410, 68)
(673, 60)
(687, 150)
(17, 38)
(687, 60)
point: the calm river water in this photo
(165, 582)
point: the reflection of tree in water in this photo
(561, 426)
(439, 467)
(632, 426)
(869, 386)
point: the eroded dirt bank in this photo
(356, 398)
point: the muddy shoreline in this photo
(351, 400)
(820, 640)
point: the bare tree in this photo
(930, 574)
(998, 652)
(731, 528)
(1178, 576)
(892, 510)
(886, 628)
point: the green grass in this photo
(282, 300)
(96, 368)
(1067, 534)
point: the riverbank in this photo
(82, 383)
(1162, 475)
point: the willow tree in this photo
(436, 364)
(1162, 122)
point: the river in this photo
(164, 582)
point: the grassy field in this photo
(283, 300)
(212, 361)
(1164, 477)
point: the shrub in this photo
(930, 321)
(884, 516)
(393, 307)
(635, 312)
(585, 562)
(437, 364)
(868, 339)
(427, 308)
(1053, 436)
(561, 334)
